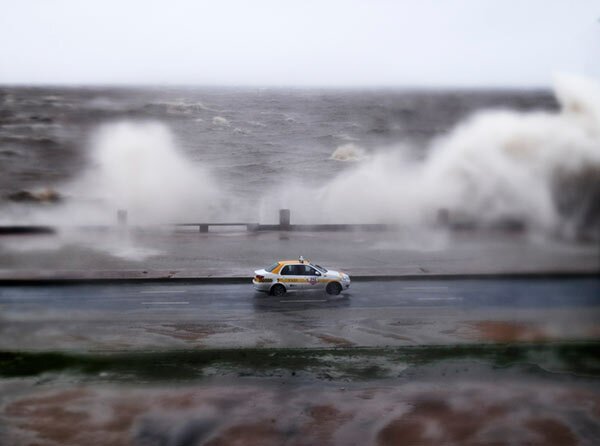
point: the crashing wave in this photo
(542, 168)
(137, 167)
(539, 168)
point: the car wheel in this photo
(277, 290)
(333, 288)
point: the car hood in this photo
(333, 273)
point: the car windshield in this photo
(271, 268)
(320, 268)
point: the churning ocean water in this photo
(171, 154)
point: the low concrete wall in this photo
(284, 225)
(26, 230)
(204, 228)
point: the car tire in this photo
(333, 288)
(277, 290)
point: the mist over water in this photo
(342, 159)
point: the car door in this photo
(292, 277)
(311, 277)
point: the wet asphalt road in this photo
(186, 298)
(542, 391)
(190, 315)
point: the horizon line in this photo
(153, 85)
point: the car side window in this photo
(298, 270)
(310, 271)
(286, 271)
(304, 270)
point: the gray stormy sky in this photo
(305, 43)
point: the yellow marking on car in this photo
(305, 280)
(282, 263)
(277, 269)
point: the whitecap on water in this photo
(349, 152)
(220, 121)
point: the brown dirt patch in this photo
(325, 420)
(507, 331)
(191, 332)
(256, 434)
(334, 340)
(552, 432)
(452, 426)
(53, 423)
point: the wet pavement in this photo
(155, 252)
(423, 362)
(370, 314)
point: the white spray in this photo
(542, 168)
(137, 167)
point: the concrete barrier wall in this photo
(285, 224)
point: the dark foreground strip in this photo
(330, 364)
(45, 281)
(26, 230)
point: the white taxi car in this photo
(290, 275)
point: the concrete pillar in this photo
(443, 217)
(122, 217)
(284, 219)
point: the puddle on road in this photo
(527, 331)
